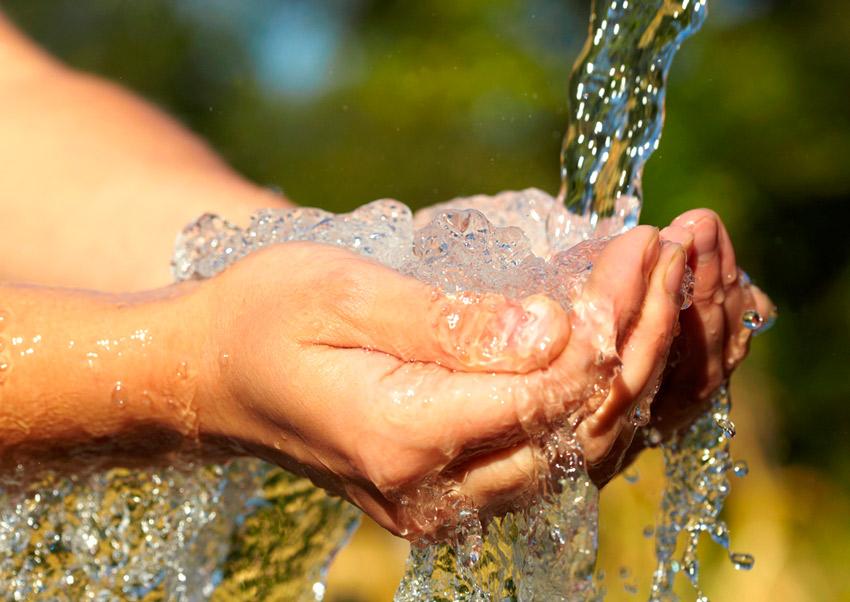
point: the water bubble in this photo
(752, 320)
(769, 322)
(652, 436)
(5, 368)
(727, 426)
(720, 534)
(183, 370)
(740, 468)
(640, 414)
(119, 394)
(648, 531)
(741, 561)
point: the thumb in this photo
(414, 321)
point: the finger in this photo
(617, 284)
(496, 481)
(680, 236)
(643, 356)
(766, 308)
(377, 308)
(704, 325)
(738, 301)
(728, 261)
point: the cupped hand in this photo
(713, 338)
(372, 383)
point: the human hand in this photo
(371, 383)
(713, 339)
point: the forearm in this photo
(94, 183)
(116, 376)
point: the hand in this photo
(713, 339)
(371, 383)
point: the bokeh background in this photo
(339, 102)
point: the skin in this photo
(313, 368)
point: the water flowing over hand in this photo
(381, 382)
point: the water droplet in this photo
(742, 562)
(631, 475)
(119, 394)
(630, 588)
(727, 426)
(5, 368)
(720, 535)
(183, 370)
(625, 573)
(648, 531)
(4, 318)
(224, 360)
(769, 322)
(640, 414)
(740, 468)
(752, 320)
(652, 436)
(692, 570)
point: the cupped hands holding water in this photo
(370, 382)
(373, 384)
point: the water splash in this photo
(696, 466)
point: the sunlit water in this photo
(253, 530)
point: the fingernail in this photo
(650, 253)
(675, 274)
(679, 235)
(705, 236)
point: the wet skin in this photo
(317, 369)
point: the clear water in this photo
(616, 98)
(250, 529)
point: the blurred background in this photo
(339, 102)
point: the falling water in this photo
(616, 98)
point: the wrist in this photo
(115, 377)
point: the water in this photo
(249, 529)
(696, 466)
(616, 97)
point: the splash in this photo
(505, 247)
